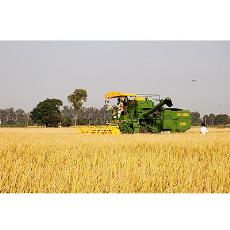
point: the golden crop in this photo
(62, 161)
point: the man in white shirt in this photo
(203, 129)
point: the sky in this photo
(195, 74)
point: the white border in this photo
(114, 20)
(114, 212)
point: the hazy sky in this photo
(33, 71)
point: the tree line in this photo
(18, 117)
(52, 113)
(86, 116)
(211, 119)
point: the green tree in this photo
(68, 114)
(77, 98)
(20, 116)
(66, 122)
(83, 121)
(222, 119)
(11, 117)
(196, 118)
(47, 113)
(209, 119)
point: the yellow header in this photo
(110, 95)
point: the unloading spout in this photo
(167, 101)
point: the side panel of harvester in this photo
(176, 120)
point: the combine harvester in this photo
(138, 113)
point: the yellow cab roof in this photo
(110, 95)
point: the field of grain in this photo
(61, 161)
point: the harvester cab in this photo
(120, 109)
(135, 113)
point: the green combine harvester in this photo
(141, 113)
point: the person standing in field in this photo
(203, 129)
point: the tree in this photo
(66, 122)
(68, 111)
(196, 118)
(68, 115)
(77, 98)
(209, 119)
(12, 117)
(20, 116)
(47, 113)
(222, 119)
(4, 116)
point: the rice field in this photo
(46, 160)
